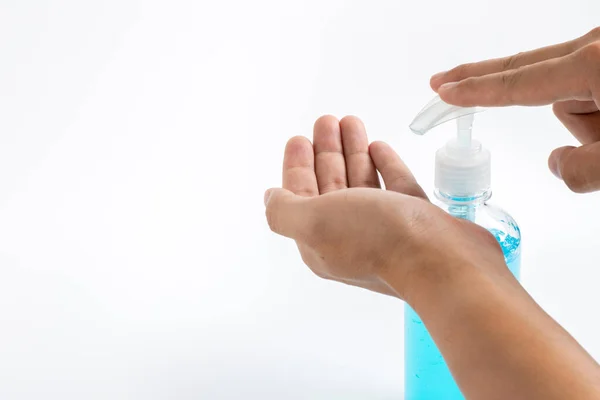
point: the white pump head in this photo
(462, 166)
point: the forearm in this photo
(498, 343)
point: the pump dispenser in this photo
(462, 188)
(462, 166)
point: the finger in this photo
(512, 62)
(578, 167)
(500, 64)
(395, 173)
(287, 213)
(566, 78)
(359, 166)
(299, 173)
(575, 107)
(299, 167)
(582, 119)
(329, 155)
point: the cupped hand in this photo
(349, 230)
(566, 75)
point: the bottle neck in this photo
(473, 199)
(463, 207)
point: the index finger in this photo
(492, 66)
(566, 78)
(513, 62)
(299, 167)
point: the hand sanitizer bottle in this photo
(462, 188)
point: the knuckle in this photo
(509, 81)
(511, 62)
(510, 78)
(589, 37)
(590, 53)
(589, 56)
(594, 34)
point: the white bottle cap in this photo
(462, 166)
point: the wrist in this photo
(430, 279)
(436, 276)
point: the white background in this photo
(137, 138)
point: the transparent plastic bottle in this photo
(463, 190)
(426, 374)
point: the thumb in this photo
(287, 213)
(578, 167)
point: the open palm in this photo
(346, 227)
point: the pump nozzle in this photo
(436, 112)
(462, 166)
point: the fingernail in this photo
(267, 196)
(448, 86)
